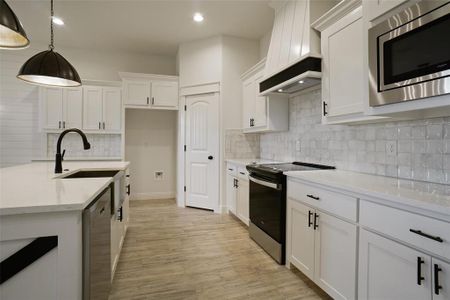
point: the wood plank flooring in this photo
(186, 253)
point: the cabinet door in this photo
(390, 271)
(231, 194)
(73, 108)
(441, 279)
(92, 108)
(52, 108)
(343, 71)
(137, 92)
(335, 256)
(248, 102)
(165, 94)
(300, 237)
(112, 109)
(243, 204)
(260, 103)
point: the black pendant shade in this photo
(49, 68)
(12, 34)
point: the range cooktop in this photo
(279, 168)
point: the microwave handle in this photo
(265, 183)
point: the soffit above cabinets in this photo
(292, 43)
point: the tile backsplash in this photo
(102, 145)
(417, 149)
(240, 145)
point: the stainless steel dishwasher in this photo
(97, 247)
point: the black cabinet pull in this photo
(313, 197)
(420, 261)
(325, 108)
(437, 287)
(434, 238)
(128, 175)
(310, 213)
(242, 173)
(230, 170)
(120, 216)
(128, 190)
(316, 224)
(148, 100)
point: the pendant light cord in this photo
(51, 46)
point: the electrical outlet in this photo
(159, 175)
(391, 147)
(298, 146)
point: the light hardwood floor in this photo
(186, 253)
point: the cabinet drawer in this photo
(231, 170)
(430, 234)
(335, 203)
(242, 173)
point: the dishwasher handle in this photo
(265, 183)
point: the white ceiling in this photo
(146, 26)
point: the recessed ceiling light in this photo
(57, 21)
(301, 81)
(198, 17)
(280, 90)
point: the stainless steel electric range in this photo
(268, 204)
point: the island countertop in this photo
(35, 188)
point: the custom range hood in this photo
(294, 60)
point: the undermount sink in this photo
(91, 174)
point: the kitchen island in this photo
(41, 227)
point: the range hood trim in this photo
(315, 73)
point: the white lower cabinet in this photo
(237, 192)
(389, 270)
(323, 247)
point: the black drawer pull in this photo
(230, 170)
(128, 190)
(313, 197)
(437, 287)
(242, 173)
(434, 238)
(420, 261)
(310, 213)
(316, 224)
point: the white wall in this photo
(264, 43)
(20, 139)
(150, 146)
(200, 61)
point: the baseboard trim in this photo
(153, 196)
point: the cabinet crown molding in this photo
(336, 13)
(257, 67)
(143, 76)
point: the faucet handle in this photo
(62, 155)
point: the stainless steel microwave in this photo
(409, 54)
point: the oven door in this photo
(268, 207)
(409, 54)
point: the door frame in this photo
(208, 88)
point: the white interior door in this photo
(73, 108)
(112, 109)
(202, 151)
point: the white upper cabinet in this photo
(137, 92)
(165, 94)
(112, 109)
(102, 109)
(61, 108)
(262, 113)
(150, 91)
(343, 78)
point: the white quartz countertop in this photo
(427, 196)
(249, 161)
(34, 187)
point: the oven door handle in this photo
(265, 183)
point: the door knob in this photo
(210, 157)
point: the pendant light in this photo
(49, 67)
(12, 34)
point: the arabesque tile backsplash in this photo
(417, 149)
